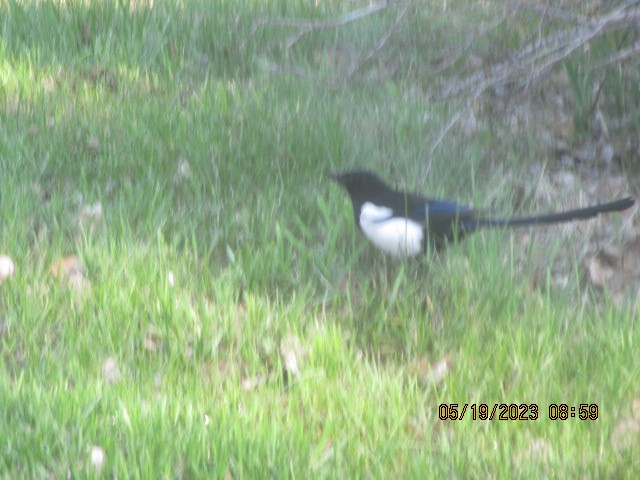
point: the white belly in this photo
(393, 235)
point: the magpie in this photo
(399, 222)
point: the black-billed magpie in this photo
(399, 222)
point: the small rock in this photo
(110, 371)
(183, 172)
(90, 214)
(70, 269)
(98, 458)
(607, 153)
(250, 383)
(7, 268)
(431, 374)
(290, 350)
(93, 144)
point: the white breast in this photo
(394, 235)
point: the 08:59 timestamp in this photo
(562, 411)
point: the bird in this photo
(405, 224)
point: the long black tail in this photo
(559, 217)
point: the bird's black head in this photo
(360, 183)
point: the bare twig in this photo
(456, 54)
(619, 56)
(443, 133)
(348, 17)
(550, 12)
(367, 58)
(288, 69)
(305, 27)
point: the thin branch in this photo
(550, 12)
(456, 54)
(288, 69)
(348, 17)
(367, 58)
(620, 56)
(453, 121)
(306, 27)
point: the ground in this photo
(184, 293)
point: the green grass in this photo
(262, 248)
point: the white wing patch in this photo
(394, 235)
